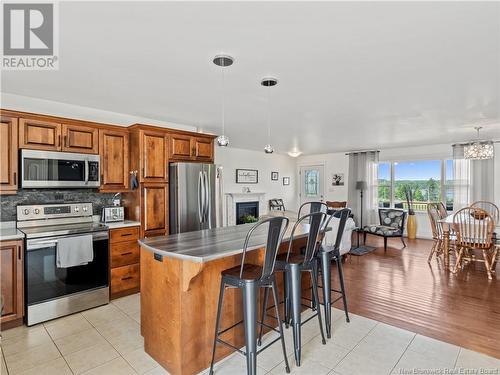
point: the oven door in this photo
(45, 281)
(47, 169)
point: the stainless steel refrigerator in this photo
(195, 197)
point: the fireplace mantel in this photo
(233, 198)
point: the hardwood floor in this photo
(400, 288)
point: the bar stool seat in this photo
(250, 272)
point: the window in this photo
(429, 180)
(311, 183)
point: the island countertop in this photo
(210, 244)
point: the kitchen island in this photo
(180, 281)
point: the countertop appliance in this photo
(50, 291)
(112, 214)
(195, 197)
(49, 169)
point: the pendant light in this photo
(268, 82)
(223, 61)
(479, 150)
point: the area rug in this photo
(362, 250)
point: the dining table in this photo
(447, 225)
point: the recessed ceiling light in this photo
(294, 153)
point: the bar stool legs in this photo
(250, 322)
(326, 280)
(327, 287)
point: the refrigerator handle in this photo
(200, 197)
(207, 199)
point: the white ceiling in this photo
(351, 75)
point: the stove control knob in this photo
(85, 208)
(26, 211)
(36, 211)
(77, 209)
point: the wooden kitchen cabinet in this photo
(155, 213)
(203, 148)
(39, 135)
(80, 138)
(124, 262)
(114, 152)
(8, 155)
(192, 148)
(180, 147)
(11, 282)
(149, 154)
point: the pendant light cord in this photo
(223, 100)
(268, 115)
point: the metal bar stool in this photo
(326, 254)
(293, 265)
(250, 278)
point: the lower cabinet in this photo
(124, 255)
(11, 282)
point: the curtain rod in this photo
(360, 152)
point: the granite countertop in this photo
(8, 231)
(210, 244)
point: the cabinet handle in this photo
(65, 141)
(58, 140)
(127, 278)
(19, 252)
(15, 178)
(127, 253)
(126, 234)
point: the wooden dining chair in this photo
(435, 212)
(474, 230)
(494, 211)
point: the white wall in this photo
(48, 107)
(235, 158)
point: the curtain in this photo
(473, 180)
(363, 166)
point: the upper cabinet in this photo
(188, 147)
(53, 136)
(149, 155)
(114, 151)
(8, 155)
(79, 138)
(39, 135)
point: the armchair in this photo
(392, 223)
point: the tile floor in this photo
(107, 341)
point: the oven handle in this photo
(43, 243)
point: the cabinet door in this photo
(11, 280)
(203, 149)
(155, 209)
(113, 149)
(80, 138)
(154, 157)
(180, 147)
(39, 135)
(8, 155)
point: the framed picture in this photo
(286, 180)
(247, 176)
(274, 176)
(337, 179)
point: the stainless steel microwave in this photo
(50, 169)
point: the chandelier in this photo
(479, 150)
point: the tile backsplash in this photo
(47, 196)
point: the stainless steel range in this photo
(66, 260)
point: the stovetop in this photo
(62, 229)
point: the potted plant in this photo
(411, 223)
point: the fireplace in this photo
(245, 211)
